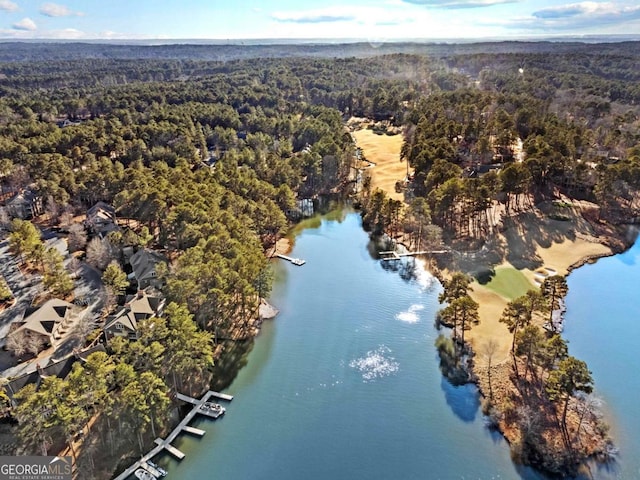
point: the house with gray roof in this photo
(59, 368)
(25, 204)
(137, 308)
(101, 219)
(143, 264)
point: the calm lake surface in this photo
(603, 328)
(345, 384)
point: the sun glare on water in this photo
(375, 364)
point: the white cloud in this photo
(8, 5)
(457, 4)
(371, 16)
(323, 15)
(66, 33)
(25, 24)
(57, 10)
(576, 16)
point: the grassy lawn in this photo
(509, 283)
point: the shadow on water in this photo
(332, 211)
(608, 469)
(407, 269)
(230, 363)
(627, 258)
(464, 400)
(236, 356)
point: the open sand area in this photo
(384, 151)
(537, 247)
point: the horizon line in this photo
(330, 40)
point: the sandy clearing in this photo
(491, 307)
(559, 257)
(384, 151)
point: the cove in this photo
(344, 383)
(602, 325)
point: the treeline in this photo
(524, 127)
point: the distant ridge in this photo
(333, 41)
(12, 51)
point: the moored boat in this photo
(157, 468)
(142, 474)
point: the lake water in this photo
(344, 383)
(603, 329)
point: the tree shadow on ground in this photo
(528, 230)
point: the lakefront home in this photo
(124, 323)
(25, 204)
(143, 264)
(101, 219)
(55, 368)
(48, 323)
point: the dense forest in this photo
(206, 150)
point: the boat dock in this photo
(183, 426)
(393, 255)
(296, 261)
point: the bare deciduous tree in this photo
(52, 210)
(99, 253)
(18, 343)
(489, 349)
(77, 238)
(35, 344)
(66, 218)
(5, 220)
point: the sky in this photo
(375, 20)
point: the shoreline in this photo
(550, 457)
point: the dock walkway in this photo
(296, 261)
(393, 255)
(183, 426)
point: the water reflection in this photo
(463, 400)
(230, 363)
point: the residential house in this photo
(25, 204)
(60, 369)
(49, 322)
(101, 219)
(137, 308)
(143, 264)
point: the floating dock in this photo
(193, 430)
(170, 448)
(296, 261)
(183, 426)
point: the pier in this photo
(193, 430)
(165, 444)
(393, 255)
(296, 261)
